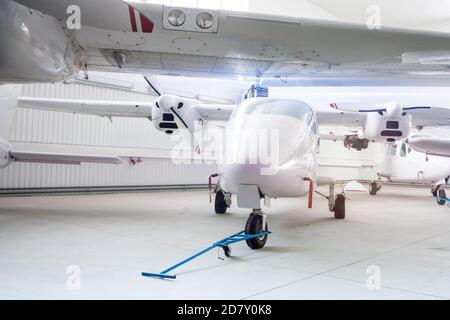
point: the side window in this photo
(403, 150)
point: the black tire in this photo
(373, 188)
(339, 207)
(254, 226)
(220, 206)
(227, 251)
(442, 194)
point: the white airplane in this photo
(403, 164)
(290, 171)
(38, 45)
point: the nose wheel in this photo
(256, 224)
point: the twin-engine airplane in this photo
(405, 165)
(291, 170)
(39, 45)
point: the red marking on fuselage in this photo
(132, 18)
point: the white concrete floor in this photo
(112, 238)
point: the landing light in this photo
(176, 18)
(205, 20)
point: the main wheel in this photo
(339, 207)
(373, 188)
(254, 225)
(220, 206)
(441, 193)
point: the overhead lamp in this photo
(205, 20)
(176, 18)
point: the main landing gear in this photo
(374, 187)
(439, 193)
(222, 201)
(336, 204)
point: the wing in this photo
(60, 158)
(430, 145)
(112, 15)
(339, 118)
(218, 112)
(421, 116)
(257, 45)
(431, 117)
(100, 108)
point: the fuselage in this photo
(402, 164)
(273, 144)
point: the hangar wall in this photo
(45, 130)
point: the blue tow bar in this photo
(241, 236)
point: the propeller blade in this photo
(416, 108)
(152, 86)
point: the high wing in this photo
(105, 14)
(201, 110)
(249, 44)
(339, 118)
(100, 108)
(17, 155)
(430, 145)
(421, 116)
(218, 112)
(432, 117)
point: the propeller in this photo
(154, 87)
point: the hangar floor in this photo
(112, 238)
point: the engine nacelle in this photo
(172, 113)
(387, 126)
(354, 142)
(164, 120)
(5, 158)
